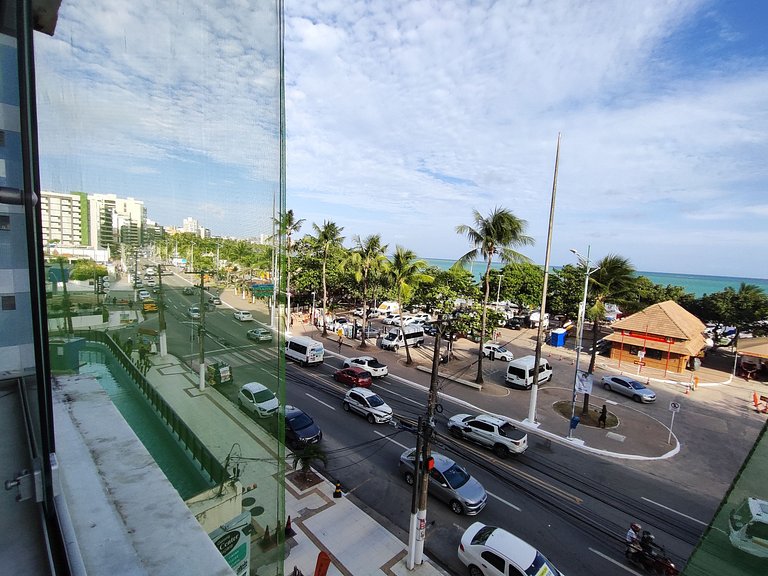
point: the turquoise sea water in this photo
(693, 283)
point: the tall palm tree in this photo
(287, 225)
(367, 257)
(612, 283)
(328, 237)
(405, 272)
(494, 235)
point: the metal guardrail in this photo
(199, 451)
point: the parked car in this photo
(188, 290)
(393, 320)
(300, 429)
(513, 323)
(499, 352)
(258, 400)
(353, 376)
(488, 550)
(193, 312)
(423, 316)
(372, 312)
(243, 315)
(369, 363)
(259, 334)
(143, 294)
(370, 332)
(407, 320)
(629, 387)
(368, 404)
(490, 431)
(429, 329)
(448, 482)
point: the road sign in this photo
(674, 406)
(639, 363)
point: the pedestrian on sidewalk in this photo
(603, 415)
(341, 341)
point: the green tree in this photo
(522, 284)
(303, 459)
(327, 242)
(744, 308)
(406, 272)
(446, 287)
(494, 235)
(366, 258)
(566, 289)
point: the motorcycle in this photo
(651, 557)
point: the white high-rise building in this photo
(62, 219)
(114, 220)
(190, 225)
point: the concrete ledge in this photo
(468, 383)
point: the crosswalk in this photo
(241, 356)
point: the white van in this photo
(304, 350)
(395, 338)
(520, 372)
(388, 307)
(748, 527)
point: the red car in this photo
(353, 376)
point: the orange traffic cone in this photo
(756, 400)
(687, 388)
(289, 531)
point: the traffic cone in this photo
(289, 531)
(266, 541)
(337, 491)
(756, 400)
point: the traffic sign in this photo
(674, 406)
(639, 363)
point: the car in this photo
(138, 283)
(602, 346)
(498, 351)
(629, 387)
(393, 320)
(514, 323)
(370, 332)
(193, 312)
(430, 329)
(259, 334)
(300, 429)
(369, 363)
(406, 321)
(150, 281)
(448, 482)
(188, 290)
(372, 312)
(156, 290)
(489, 550)
(368, 404)
(214, 300)
(257, 400)
(353, 376)
(495, 433)
(143, 294)
(243, 316)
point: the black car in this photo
(300, 429)
(514, 324)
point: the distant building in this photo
(64, 218)
(114, 221)
(190, 225)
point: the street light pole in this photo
(580, 331)
(312, 317)
(201, 332)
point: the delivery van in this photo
(388, 307)
(413, 333)
(304, 350)
(520, 372)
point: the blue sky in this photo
(404, 116)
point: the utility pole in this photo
(201, 332)
(419, 527)
(161, 312)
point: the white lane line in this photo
(321, 402)
(612, 561)
(390, 439)
(673, 510)
(401, 396)
(502, 500)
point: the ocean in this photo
(695, 284)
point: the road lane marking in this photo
(401, 396)
(390, 439)
(612, 561)
(675, 511)
(502, 500)
(321, 402)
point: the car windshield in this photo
(636, 385)
(482, 535)
(541, 567)
(456, 476)
(263, 396)
(300, 421)
(391, 336)
(375, 401)
(506, 429)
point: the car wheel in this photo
(346, 406)
(456, 507)
(456, 432)
(335, 377)
(371, 419)
(637, 398)
(501, 451)
(409, 479)
(397, 347)
(607, 387)
(475, 571)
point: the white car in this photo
(422, 316)
(492, 551)
(369, 363)
(368, 404)
(193, 312)
(243, 315)
(258, 400)
(499, 352)
(407, 320)
(143, 294)
(393, 320)
(495, 433)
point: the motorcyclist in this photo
(647, 542)
(633, 538)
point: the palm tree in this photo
(367, 257)
(611, 282)
(287, 225)
(302, 459)
(328, 237)
(495, 234)
(405, 272)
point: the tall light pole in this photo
(580, 330)
(312, 317)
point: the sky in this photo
(403, 117)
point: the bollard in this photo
(337, 491)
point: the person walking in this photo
(603, 416)
(341, 341)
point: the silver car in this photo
(629, 387)
(449, 482)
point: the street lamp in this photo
(312, 317)
(580, 330)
